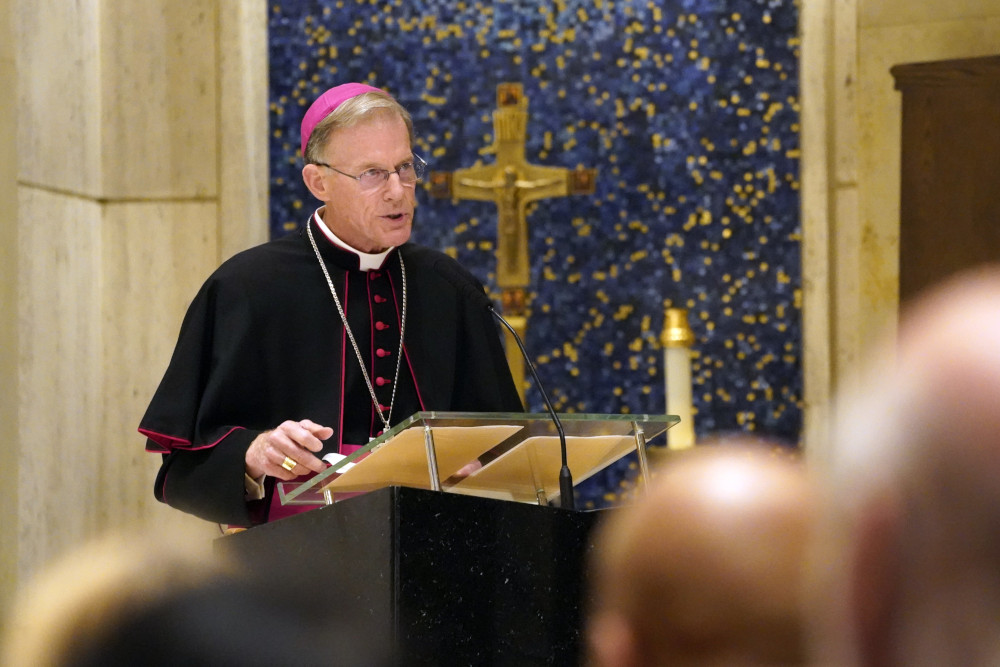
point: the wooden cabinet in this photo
(950, 169)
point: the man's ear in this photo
(873, 583)
(313, 177)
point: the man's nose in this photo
(394, 186)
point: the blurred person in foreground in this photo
(121, 602)
(908, 567)
(706, 568)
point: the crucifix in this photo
(512, 183)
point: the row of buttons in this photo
(380, 352)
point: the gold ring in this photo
(288, 464)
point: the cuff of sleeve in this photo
(254, 487)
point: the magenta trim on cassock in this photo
(170, 443)
(343, 366)
(371, 346)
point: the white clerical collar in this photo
(367, 260)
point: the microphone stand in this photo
(566, 498)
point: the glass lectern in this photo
(514, 456)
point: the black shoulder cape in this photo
(262, 342)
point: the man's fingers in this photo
(321, 432)
(294, 443)
(306, 460)
(287, 464)
(468, 469)
(308, 434)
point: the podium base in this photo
(452, 579)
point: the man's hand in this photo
(468, 469)
(294, 440)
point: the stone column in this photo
(8, 307)
(130, 114)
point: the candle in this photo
(676, 339)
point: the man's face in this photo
(369, 220)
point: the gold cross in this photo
(512, 183)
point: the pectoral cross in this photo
(512, 183)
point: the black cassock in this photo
(262, 342)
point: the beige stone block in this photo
(243, 127)
(156, 255)
(58, 94)
(118, 98)
(816, 21)
(101, 299)
(59, 359)
(875, 13)
(881, 48)
(844, 107)
(8, 306)
(158, 98)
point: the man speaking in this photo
(320, 341)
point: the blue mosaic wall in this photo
(689, 110)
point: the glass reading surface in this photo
(520, 454)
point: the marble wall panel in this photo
(156, 255)
(109, 180)
(59, 389)
(815, 23)
(118, 99)
(158, 99)
(920, 12)
(58, 94)
(243, 127)
(100, 305)
(8, 300)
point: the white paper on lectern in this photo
(333, 458)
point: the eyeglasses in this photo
(409, 173)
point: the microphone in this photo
(468, 285)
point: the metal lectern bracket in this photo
(432, 466)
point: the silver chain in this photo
(343, 317)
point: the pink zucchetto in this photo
(327, 102)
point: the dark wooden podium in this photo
(452, 579)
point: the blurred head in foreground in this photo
(131, 602)
(909, 561)
(706, 568)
